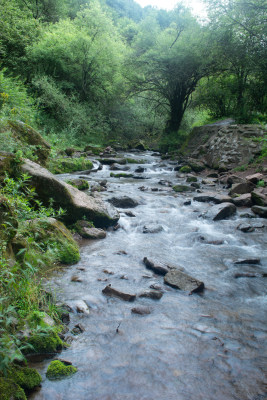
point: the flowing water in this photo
(207, 346)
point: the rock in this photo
(76, 203)
(212, 197)
(109, 161)
(247, 261)
(187, 203)
(213, 242)
(123, 202)
(76, 278)
(88, 232)
(245, 275)
(213, 175)
(78, 329)
(58, 370)
(152, 294)
(103, 183)
(258, 197)
(155, 286)
(164, 182)
(80, 184)
(245, 228)
(182, 281)
(244, 200)
(77, 306)
(260, 211)
(255, 178)
(190, 179)
(119, 167)
(141, 310)
(29, 136)
(182, 188)
(234, 179)
(195, 185)
(153, 228)
(112, 292)
(221, 211)
(209, 182)
(140, 170)
(130, 214)
(156, 266)
(11, 390)
(241, 188)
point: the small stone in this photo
(78, 329)
(140, 170)
(76, 278)
(153, 228)
(182, 281)
(247, 261)
(156, 266)
(141, 310)
(152, 294)
(245, 275)
(112, 292)
(130, 214)
(245, 228)
(123, 202)
(106, 271)
(187, 203)
(155, 286)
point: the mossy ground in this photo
(27, 378)
(65, 165)
(46, 342)
(58, 370)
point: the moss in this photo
(65, 165)
(191, 179)
(121, 175)
(69, 253)
(185, 168)
(27, 378)
(181, 188)
(46, 342)
(80, 184)
(9, 390)
(58, 370)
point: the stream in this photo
(208, 346)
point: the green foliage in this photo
(45, 342)
(10, 390)
(27, 378)
(80, 184)
(58, 370)
(261, 183)
(185, 169)
(65, 165)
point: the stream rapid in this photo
(209, 346)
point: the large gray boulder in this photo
(221, 211)
(182, 281)
(213, 197)
(76, 203)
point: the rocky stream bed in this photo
(143, 338)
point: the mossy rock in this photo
(50, 232)
(121, 175)
(182, 188)
(65, 165)
(27, 378)
(9, 390)
(190, 179)
(80, 184)
(185, 168)
(27, 135)
(58, 370)
(44, 343)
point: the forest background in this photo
(108, 71)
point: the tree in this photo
(170, 64)
(46, 10)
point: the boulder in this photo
(119, 167)
(86, 230)
(245, 228)
(212, 197)
(123, 202)
(244, 200)
(141, 310)
(259, 197)
(241, 188)
(109, 161)
(260, 211)
(139, 170)
(221, 211)
(179, 280)
(112, 292)
(233, 179)
(255, 178)
(76, 203)
(182, 188)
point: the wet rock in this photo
(141, 310)
(76, 278)
(213, 175)
(233, 179)
(78, 306)
(187, 203)
(153, 228)
(259, 197)
(202, 239)
(130, 214)
(76, 203)
(155, 286)
(119, 167)
(245, 275)
(112, 292)
(143, 188)
(255, 178)
(78, 329)
(103, 183)
(221, 211)
(121, 252)
(247, 215)
(86, 230)
(156, 266)
(123, 202)
(152, 294)
(116, 227)
(245, 228)
(242, 261)
(182, 281)
(241, 188)
(110, 161)
(209, 182)
(260, 211)
(244, 200)
(191, 179)
(139, 170)
(106, 271)
(182, 188)
(164, 182)
(213, 197)
(195, 185)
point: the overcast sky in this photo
(196, 5)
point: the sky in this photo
(196, 5)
